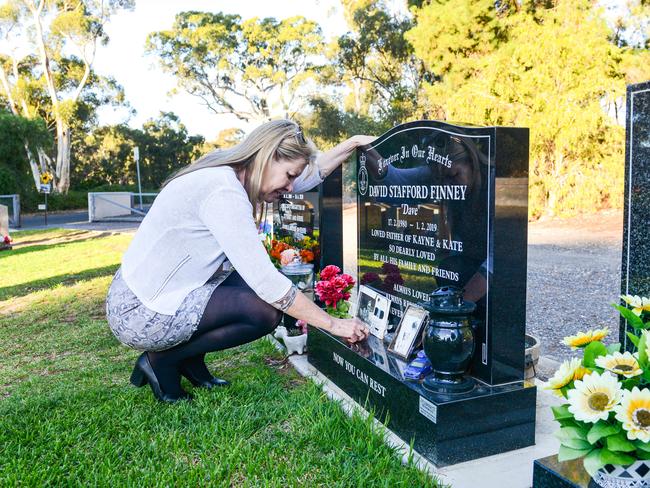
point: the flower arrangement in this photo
(333, 289)
(606, 419)
(299, 329)
(5, 243)
(289, 250)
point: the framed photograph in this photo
(372, 308)
(408, 331)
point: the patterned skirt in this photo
(139, 327)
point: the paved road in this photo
(77, 219)
(56, 219)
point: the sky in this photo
(147, 87)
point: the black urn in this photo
(448, 341)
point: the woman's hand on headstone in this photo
(352, 330)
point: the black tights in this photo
(233, 316)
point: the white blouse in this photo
(197, 222)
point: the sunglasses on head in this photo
(300, 136)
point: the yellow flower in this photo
(584, 338)
(624, 364)
(594, 397)
(565, 374)
(638, 304)
(634, 414)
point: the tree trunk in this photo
(63, 141)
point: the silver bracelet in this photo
(287, 300)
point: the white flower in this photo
(582, 339)
(566, 373)
(638, 304)
(594, 397)
(624, 364)
(634, 414)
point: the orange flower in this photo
(306, 255)
(277, 249)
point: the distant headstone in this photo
(635, 268)
(296, 215)
(4, 221)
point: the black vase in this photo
(448, 341)
(449, 345)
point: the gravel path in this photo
(574, 271)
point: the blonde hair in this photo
(275, 140)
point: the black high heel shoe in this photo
(143, 373)
(211, 383)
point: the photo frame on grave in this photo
(372, 308)
(379, 357)
(408, 331)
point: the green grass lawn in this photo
(69, 417)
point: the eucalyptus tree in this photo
(376, 63)
(553, 66)
(255, 69)
(46, 67)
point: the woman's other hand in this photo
(361, 140)
(352, 330)
(328, 161)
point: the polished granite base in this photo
(446, 429)
(548, 472)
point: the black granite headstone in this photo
(441, 204)
(447, 205)
(296, 215)
(635, 268)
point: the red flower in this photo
(7, 239)
(329, 272)
(328, 293)
(348, 279)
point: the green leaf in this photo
(568, 422)
(573, 437)
(633, 338)
(646, 375)
(632, 319)
(593, 462)
(610, 457)
(619, 442)
(562, 412)
(612, 348)
(644, 446)
(592, 351)
(645, 455)
(571, 433)
(643, 353)
(602, 429)
(567, 454)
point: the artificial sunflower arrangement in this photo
(606, 419)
